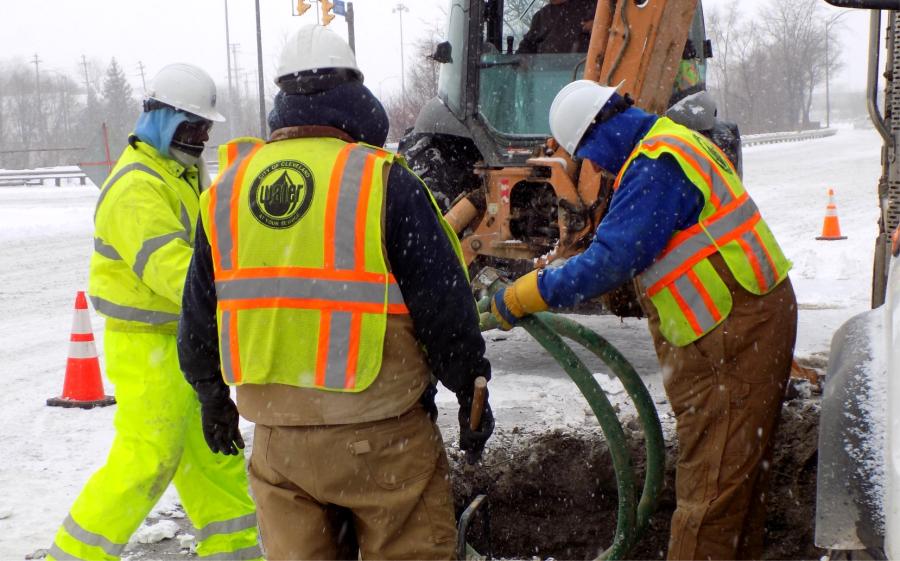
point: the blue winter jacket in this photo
(654, 200)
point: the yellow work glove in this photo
(517, 300)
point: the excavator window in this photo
(530, 49)
(453, 77)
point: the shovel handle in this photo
(478, 402)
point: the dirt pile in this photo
(554, 494)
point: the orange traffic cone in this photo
(82, 387)
(831, 228)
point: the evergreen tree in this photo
(119, 105)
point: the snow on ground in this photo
(45, 244)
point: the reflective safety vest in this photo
(682, 284)
(302, 283)
(143, 240)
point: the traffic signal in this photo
(327, 16)
(302, 6)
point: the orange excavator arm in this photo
(640, 42)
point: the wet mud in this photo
(554, 494)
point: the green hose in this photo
(653, 437)
(546, 329)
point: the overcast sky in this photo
(156, 32)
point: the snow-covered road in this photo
(45, 244)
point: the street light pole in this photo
(259, 72)
(230, 82)
(828, 23)
(399, 9)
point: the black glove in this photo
(472, 442)
(219, 417)
(427, 401)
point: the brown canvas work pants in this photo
(726, 390)
(378, 489)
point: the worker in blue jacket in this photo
(713, 283)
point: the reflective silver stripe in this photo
(186, 221)
(394, 294)
(226, 526)
(246, 554)
(719, 187)
(61, 555)
(222, 219)
(759, 252)
(149, 248)
(136, 166)
(128, 313)
(676, 258)
(225, 347)
(292, 287)
(338, 347)
(698, 242)
(695, 302)
(106, 250)
(727, 224)
(90, 538)
(348, 202)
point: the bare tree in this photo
(765, 72)
(727, 35)
(421, 86)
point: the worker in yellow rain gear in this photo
(144, 230)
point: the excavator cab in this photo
(502, 63)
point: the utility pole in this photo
(351, 30)
(230, 82)
(259, 64)
(399, 9)
(827, 91)
(828, 23)
(87, 83)
(37, 86)
(141, 70)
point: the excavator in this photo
(516, 199)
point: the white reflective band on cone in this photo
(82, 349)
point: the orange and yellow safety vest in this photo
(682, 284)
(301, 279)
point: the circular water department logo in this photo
(281, 194)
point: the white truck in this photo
(858, 486)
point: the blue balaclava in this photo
(157, 127)
(608, 144)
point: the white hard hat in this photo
(574, 109)
(313, 47)
(186, 87)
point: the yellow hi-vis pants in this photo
(158, 440)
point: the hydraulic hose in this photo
(606, 416)
(546, 328)
(653, 436)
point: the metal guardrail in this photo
(775, 137)
(34, 178)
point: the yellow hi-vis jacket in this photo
(302, 283)
(682, 284)
(143, 240)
